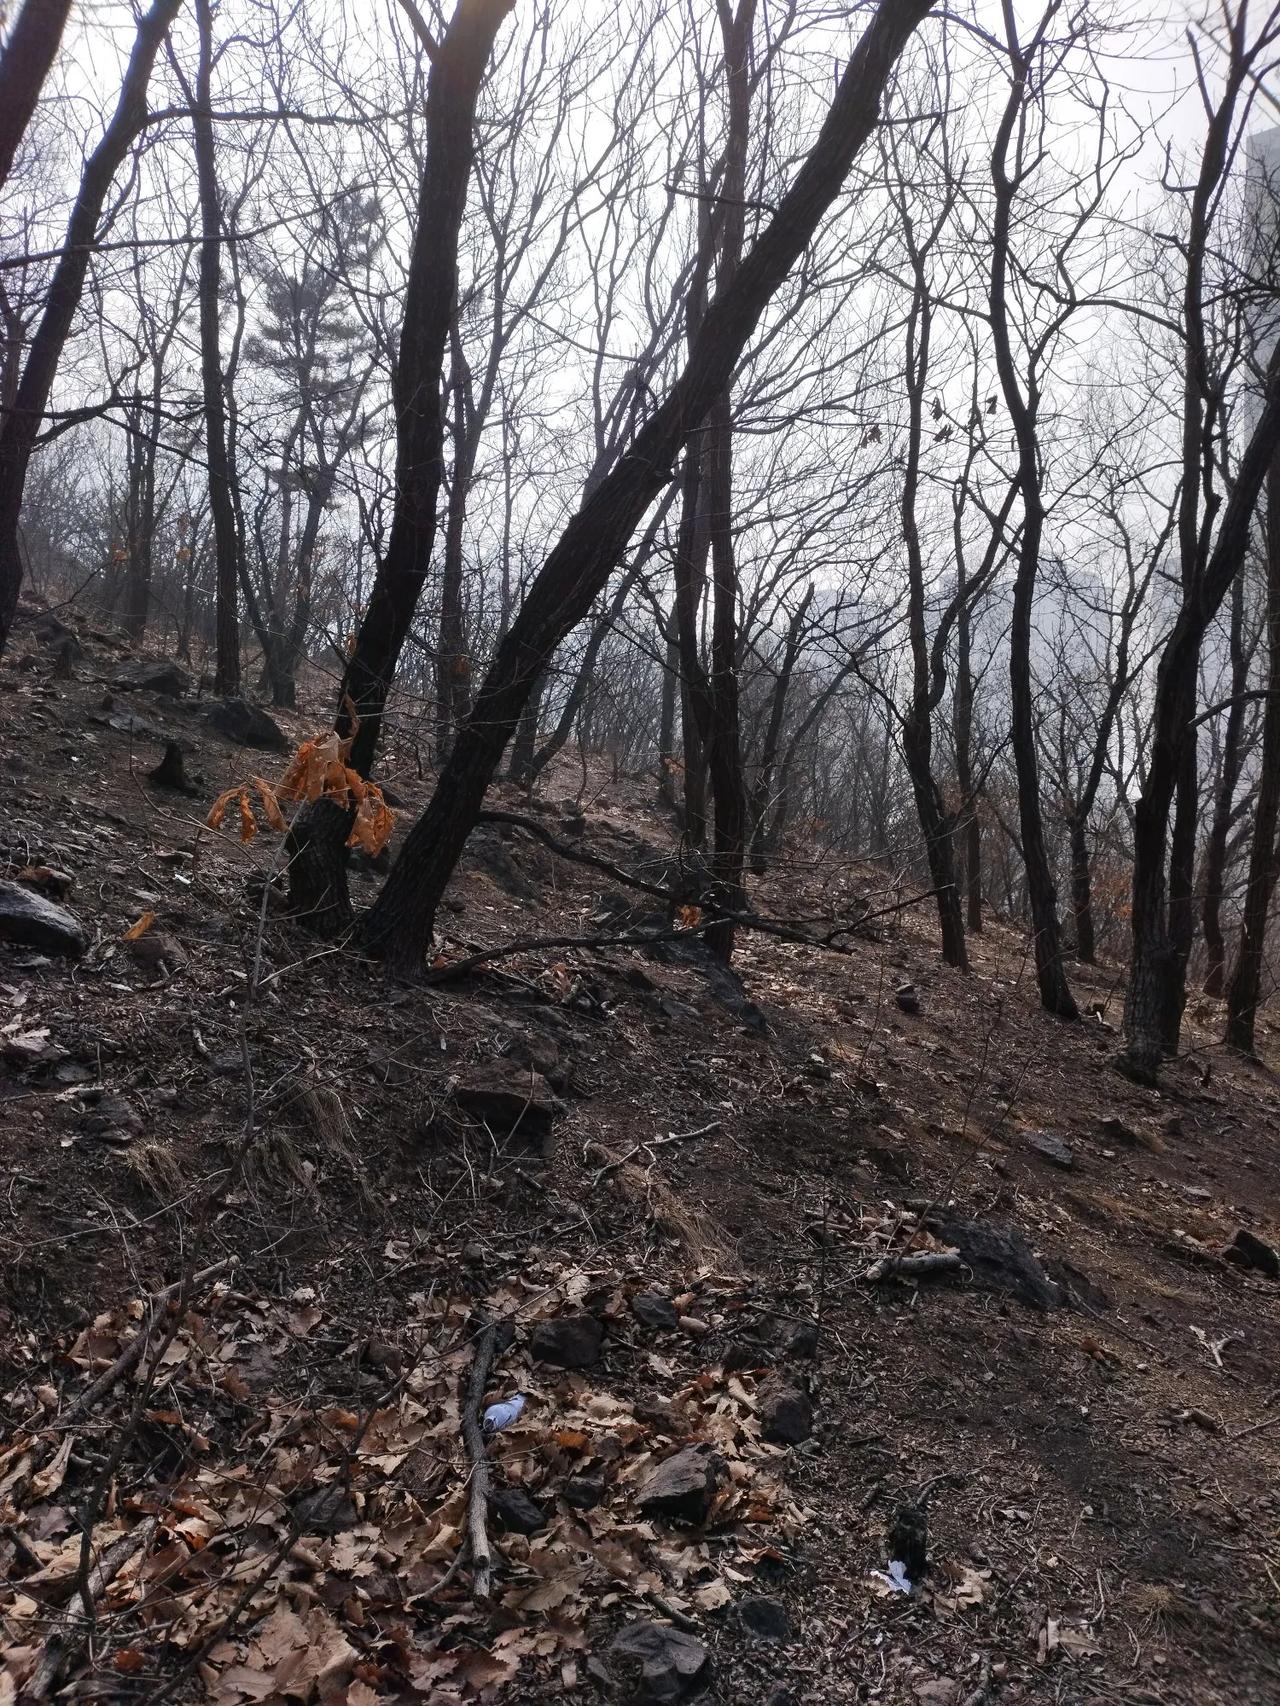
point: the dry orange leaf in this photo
(128, 1659)
(139, 927)
(688, 916)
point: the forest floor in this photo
(676, 1180)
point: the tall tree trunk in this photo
(1245, 989)
(19, 429)
(692, 546)
(1215, 864)
(1055, 995)
(1153, 960)
(400, 923)
(24, 65)
(453, 665)
(317, 881)
(668, 765)
(962, 735)
(222, 503)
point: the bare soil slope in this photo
(669, 1190)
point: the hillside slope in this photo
(668, 1190)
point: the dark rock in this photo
(30, 1052)
(663, 1664)
(584, 1492)
(765, 1619)
(137, 728)
(1120, 1130)
(1248, 1251)
(1052, 1148)
(516, 1511)
(112, 1116)
(651, 1309)
(34, 922)
(786, 1413)
(999, 1258)
(510, 1101)
(326, 1510)
(908, 998)
(164, 677)
(908, 1541)
(568, 1341)
(246, 725)
(681, 1486)
(796, 1338)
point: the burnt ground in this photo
(360, 1174)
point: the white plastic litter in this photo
(499, 1416)
(895, 1579)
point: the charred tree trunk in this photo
(453, 84)
(1215, 864)
(668, 764)
(399, 925)
(1245, 989)
(222, 502)
(1153, 960)
(24, 65)
(20, 427)
(453, 664)
(1055, 994)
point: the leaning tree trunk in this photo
(453, 84)
(24, 65)
(20, 427)
(1246, 981)
(1153, 959)
(1082, 887)
(400, 923)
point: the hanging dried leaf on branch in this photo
(318, 770)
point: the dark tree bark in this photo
(453, 664)
(457, 68)
(1055, 995)
(20, 427)
(1154, 958)
(24, 65)
(1245, 989)
(399, 925)
(1233, 756)
(317, 883)
(227, 543)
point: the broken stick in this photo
(919, 1262)
(72, 1628)
(478, 1457)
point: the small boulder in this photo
(667, 1666)
(517, 1512)
(786, 1413)
(681, 1487)
(246, 725)
(164, 677)
(112, 1117)
(1246, 1250)
(156, 952)
(1052, 1148)
(510, 1101)
(765, 1619)
(795, 1337)
(568, 1341)
(326, 1510)
(584, 1492)
(651, 1309)
(31, 921)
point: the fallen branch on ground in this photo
(918, 1262)
(478, 1457)
(72, 1628)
